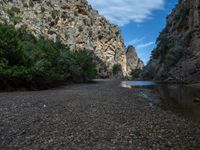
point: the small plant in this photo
(80, 29)
(173, 55)
(42, 9)
(89, 7)
(116, 68)
(155, 54)
(16, 19)
(13, 11)
(135, 73)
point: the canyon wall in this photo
(74, 22)
(133, 61)
(177, 55)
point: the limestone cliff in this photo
(177, 55)
(133, 62)
(74, 22)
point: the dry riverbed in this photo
(101, 115)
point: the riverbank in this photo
(101, 115)
(197, 85)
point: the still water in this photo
(181, 99)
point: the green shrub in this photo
(24, 57)
(182, 12)
(16, 19)
(85, 68)
(89, 7)
(136, 73)
(13, 11)
(155, 54)
(173, 55)
(116, 68)
(164, 44)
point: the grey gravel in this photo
(102, 115)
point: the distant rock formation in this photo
(73, 22)
(133, 62)
(177, 55)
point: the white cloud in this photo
(144, 45)
(123, 12)
(136, 41)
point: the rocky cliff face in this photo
(74, 22)
(177, 56)
(133, 62)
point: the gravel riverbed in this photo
(101, 115)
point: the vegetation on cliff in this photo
(176, 56)
(72, 22)
(37, 63)
(135, 74)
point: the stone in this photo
(197, 100)
(133, 62)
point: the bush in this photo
(13, 11)
(183, 11)
(164, 42)
(25, 58)
(173, 56)
(117, 68)
(83, 66)
(136, 73)
(15, 19)
(155, 54)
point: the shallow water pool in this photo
(181, 99)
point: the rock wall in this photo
(133, 62)
(177, 55)
(74, 22)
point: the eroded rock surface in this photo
(73, 22)
(133, 61)
(177, 56)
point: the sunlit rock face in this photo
(177, 56)
(133, 62)
(73, 22)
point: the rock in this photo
(72, 22)
(133, 62)
(197, 100)
(177, 54)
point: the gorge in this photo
(70, 79)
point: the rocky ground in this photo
(101, 115)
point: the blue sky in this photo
(140, 21)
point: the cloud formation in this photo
(122, 12)
(144, 45)
(135, 41)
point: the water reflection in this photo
(139, 83)
(180, 99)
(124, 84)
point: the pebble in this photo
(91, 116)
